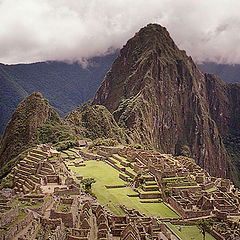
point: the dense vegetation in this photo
(65, 85)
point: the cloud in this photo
(71, 30)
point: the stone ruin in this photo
(66, 212)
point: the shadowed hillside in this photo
(65, 85)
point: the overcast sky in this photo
(70, 30)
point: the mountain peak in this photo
(150, 48)
(156, 92)
(30, 114)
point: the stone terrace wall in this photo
(9, 217)
(110, 149)
(44, 206)
(67, 218)
(18, 227)
(60, 192)
(88, 156)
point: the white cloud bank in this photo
(73, 30)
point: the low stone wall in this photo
(18, 227)
(125, 164)
(111, 150)
(59, 192)
(190, 189)
(115, 186)
(111, 161)
(67, 218)
(25, 167)
(216, 235)
(104, 154)
(9, 217)
(44, 206)
(183, 184)
(40, 152)
(35, 179)
(150, 188)
(41, 157)
(129, 174)
(69, 237)
(66, 200)
(123, 177)
(115, 166)
(187, 213)
(59, 234)
(149, 195)
(50, 223)
(208, 186)
(87, 156)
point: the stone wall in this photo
(44, 206)
(216, 235)
(149, 195)
(18, 227)
(88, 156)
(104, 154)
(111, 150)
(186, 213)
(72, 191)
(9, 217)
(67, 218)
(50, 223)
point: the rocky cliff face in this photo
(30, 114)
(224, 103)
(159, 96)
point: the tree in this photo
(204, 225)
(87, 182)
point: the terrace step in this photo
(149, 178)
(35, 179)
(150, 188)
(34, 159)
(150, 195)
(150, 183)
(37, 156)
(25, 170)
(39, 152)
(24, 180)
(47, 170)
(42, 172)
(29, 162)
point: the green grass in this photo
(189, 232)
(112, 198)
(211, 189)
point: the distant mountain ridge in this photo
(228, 73)
(66, 86)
